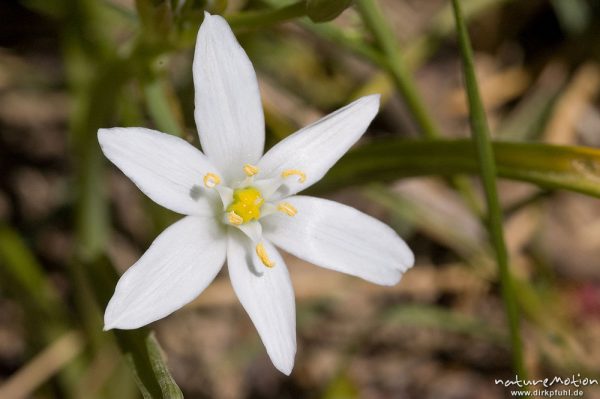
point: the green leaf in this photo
(147, 363)
(139, 346)
(24, 276)
(549, 166)
(325, 10)
(375, 20)
(167, 385)
(152, 377)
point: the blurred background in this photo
(70, 222)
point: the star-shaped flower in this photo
(239, 203)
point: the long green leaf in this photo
(24, 276)
(487, 167)
(139, 346)
(167, 384)
(549, 166)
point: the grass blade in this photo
(25, 278)
(548, 166)
(373, 18)
(139, 346)
(401, 75)
(487, 166)
(167, 384)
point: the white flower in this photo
(239, 203)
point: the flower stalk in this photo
(481, 137)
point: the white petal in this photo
(228, 112)
(166, 168)
(316, 148)
(267, 296)
(341, 238)
(177, 267)
(253, 231)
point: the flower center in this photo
(246, 205)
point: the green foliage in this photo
(548, 166)
(325, 10)
(151, 373)
(139, 346)
(341, 387)
(27, 279)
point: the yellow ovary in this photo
(246, 204)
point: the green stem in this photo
(253, 19)
(339, 37)
(163, 105)
(385, 38)
(487, 165)
(400, 73)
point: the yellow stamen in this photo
(264, 257)
(287, 208)
(289, 172)
(246, 204)
(234, 218)
(250, 170)
(211, 180)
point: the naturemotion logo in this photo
(547, 387)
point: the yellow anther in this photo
(289, 172)
(246, 204)
(211, 180)
(263, 256)
(234, 218)
(250, 170)
(287, 208)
